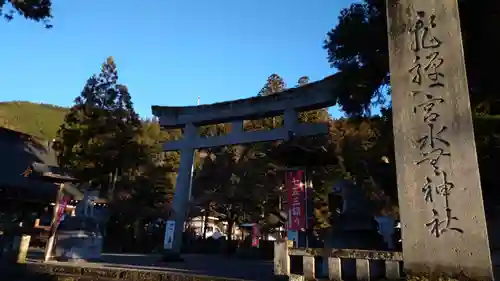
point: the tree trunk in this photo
(230, 225)
(112, 185)
(205, 220)
(232, 218)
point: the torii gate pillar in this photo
(182, 188)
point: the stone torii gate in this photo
(441, 206)
(289, 103)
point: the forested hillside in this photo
(39, 120)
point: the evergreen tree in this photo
(274, 84)
(364, 70)
(36, 10)
(303, 81)
(100, 134)
(312, 116)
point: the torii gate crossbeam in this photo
(289, 103)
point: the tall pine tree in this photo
(100, 134)
(274, 84)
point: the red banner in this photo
(60, 212)
(64, 203)
(294, 183)
(255, 235)
(62, 208)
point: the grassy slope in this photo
(39, 120)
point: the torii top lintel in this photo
(311, 96)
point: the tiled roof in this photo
(18, 152)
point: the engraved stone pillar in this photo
(182, 187)
(440, 199)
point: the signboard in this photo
(294, 183)
(293, 239)
(169, 235)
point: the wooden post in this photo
(24, 244)
(37, 223)
(53, 224)
(440, 199)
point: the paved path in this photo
(211, 265)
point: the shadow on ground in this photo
(31, 272)
(194, 265)
(135, 267)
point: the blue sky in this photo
(168, 52)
